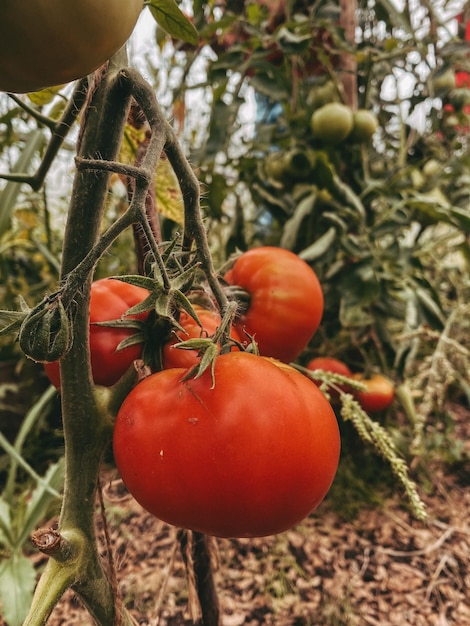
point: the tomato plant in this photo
(285, 300)
(251, 456)
(50, 42)
(210, 321)
(378, 395)
(109, 300)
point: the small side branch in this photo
(59, 130)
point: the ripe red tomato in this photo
(286, 300)
(177, 357)
(379, 394)
(330, 364)
(110, 299)
(251, 456)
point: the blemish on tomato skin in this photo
(193, 420)
(161, 454)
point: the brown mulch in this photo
(381, 568)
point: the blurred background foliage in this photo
(384, 220)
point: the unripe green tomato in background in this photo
(332, 122)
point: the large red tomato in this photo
(110, 299)
(251, 456)
(286, 300)
(178, 357)
(378, 395)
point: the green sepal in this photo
(45, 333)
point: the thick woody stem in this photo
(196, 552)
(85, 431)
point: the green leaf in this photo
(41, 499)
(319, 246)
(169, 16)
(294, 224)
(17, 581)
(5, 524)
(11, 321)
(10, 193)
(44, 96)
(16, 457)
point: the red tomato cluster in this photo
(379, 392)
(252, 455)
(249, 447)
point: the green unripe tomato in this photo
(332, 122)
(322, 94)
(365, 123)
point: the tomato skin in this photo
(250, 457)
(109, 300)
(177, 357)
(379, 394)
(50, 42)
(330, 364)
(286, 304)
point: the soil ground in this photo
(380, 568)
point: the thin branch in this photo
(59, 130)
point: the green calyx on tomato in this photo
(44, 43)
(174, 355)
(251, 456)
(285, 300)
(110, 300)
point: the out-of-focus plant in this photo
(24, 503)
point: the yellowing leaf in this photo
(169, 198)
(44, 96)
(133, 137)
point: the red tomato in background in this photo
(251, 456)
(379, 394)
(177, 357)
(286, 300)
(330, 364)
(110, 299)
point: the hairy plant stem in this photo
(85, 432)
(86, 425)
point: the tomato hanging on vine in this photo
(285, 300)
(250, 455)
